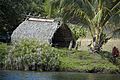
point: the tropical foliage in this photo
(101, 17)
(3, 53)
(13, 12)
(78, 31)
(97, 15)
(29, 55)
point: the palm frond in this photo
(112, 9)
(98, 17)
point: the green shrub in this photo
(3, 53)
(78, 31)
(50, 58)
(30, 55)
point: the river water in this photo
(21, 75)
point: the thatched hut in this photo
(45, 31)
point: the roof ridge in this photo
(41, 20)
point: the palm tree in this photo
(98, 15)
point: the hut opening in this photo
(45, 30)
(62, 37)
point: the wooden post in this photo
(70, 45)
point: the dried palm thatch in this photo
(45, 31)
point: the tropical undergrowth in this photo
(3, 53)
(108, 56)
(29, 55)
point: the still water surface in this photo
(21, 75)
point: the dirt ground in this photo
(107, 47)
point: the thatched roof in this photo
(44, 30)
(41, 30)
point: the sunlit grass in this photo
(83, 61)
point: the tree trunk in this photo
(97, 43)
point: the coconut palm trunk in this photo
(96, 44)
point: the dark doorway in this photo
(62, 37)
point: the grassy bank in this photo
(82, 61)
(29, 55)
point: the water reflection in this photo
(19, 75)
